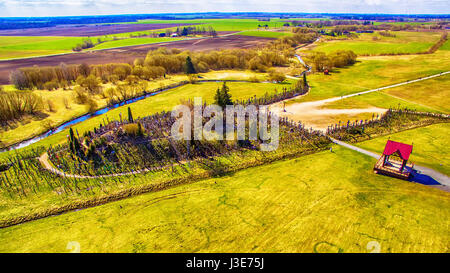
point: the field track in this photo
(130, 53)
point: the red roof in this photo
(404, 150)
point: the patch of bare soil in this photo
(313, 114)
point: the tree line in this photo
(321, 61)
(155, 65)
(14, 105)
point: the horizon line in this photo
(235, 12)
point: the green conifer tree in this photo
(226, 96)
(130, 115)
(189, 67)
(305, 82)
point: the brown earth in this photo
(129, 54)
(84, 30)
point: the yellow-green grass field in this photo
(446, 46)
(27, 46)
(433, 93)
(163, 101)
(222, 24)
(427, 96)
(133, 42)
(431, 145)
(377, 99)
(12, 47)
(405, 42)
(325, 202)
(373, 72)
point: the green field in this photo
(221, 24)
(378, 99)
(18, 47)
(373, 72)
(427, 96)
(21, 47)
(133, 42)
(404, 43)
(431, 147)
(433, 93)
(446, 46)
(288, 206)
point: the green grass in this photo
(433, 93)
(377, 99)
(373, 72)
(220, 24)
(404, 43)
(427, 96)
(287, 206)
(431, 146)
(38, 43)
(266, 34)
(132, 42)
(19, 47)
(446, 46)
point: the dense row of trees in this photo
(300, 36)
(321, 61)
(87, 43)
(36, 77)
(195, 30)
(89, 76)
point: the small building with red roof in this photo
(394, 161)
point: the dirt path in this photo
(443, 179)
(43, 159)
(313, 115)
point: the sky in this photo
(22, 8)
